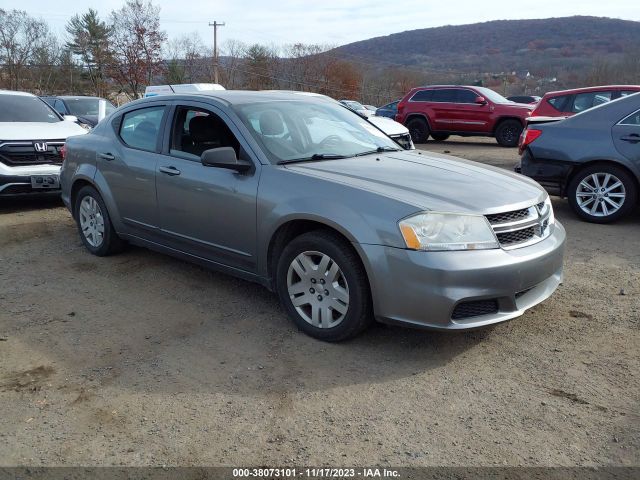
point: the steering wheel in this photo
(330, 141)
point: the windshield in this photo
(491, 95)
(81, 107)
(299, 130)
(353, 105)
(25, 108)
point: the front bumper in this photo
(424, 289)
(17, 180)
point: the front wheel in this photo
(508, 133)
(440, 137)
(419, 130)
(323, 286)
(96, 231)
(602, 193)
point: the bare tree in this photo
(21, 36)
(137, 45)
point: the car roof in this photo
(449, 86)
(592, 89)
(71, 97)
(239, 97)
(12, 92)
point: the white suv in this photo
(32, 135)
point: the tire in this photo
(508, 133)
(419, 130)
(619, 197)
(94, 224)
(440, 137)
(325, 254)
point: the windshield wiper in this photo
(379, 150)
(315, 156)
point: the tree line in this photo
(119, 55)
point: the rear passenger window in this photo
(422, 96)
(466, 96)
(140, 128)
(558, 102)
(444, 95)
(633, 119)
(585, 101)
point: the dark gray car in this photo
(312, 201)
(592, 158)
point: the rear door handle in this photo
(633, 138)
(107, 156)
(170, 170)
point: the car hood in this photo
(39, 130)
(431, 181)
(388, 126)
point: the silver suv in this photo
(310, 200)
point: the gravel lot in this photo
(142, 359)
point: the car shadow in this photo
(26, 203)
(144, 321)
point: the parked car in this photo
(32, 137)
(357, 107)
(86, 109)
(565, 103)
(592, 158)
(310, 200)
(524, 99)
(443, 110)
(389, 110)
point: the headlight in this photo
(447, 231)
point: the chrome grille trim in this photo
(526, 230)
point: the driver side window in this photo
(196, 130)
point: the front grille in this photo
(507, 217)
(517, 236)
(522, 227)
(24, 153)
(475, 309)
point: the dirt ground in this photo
(141, 359)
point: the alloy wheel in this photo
(91, 221)
(318, 289)
(600, 194)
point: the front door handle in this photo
(633, 138)
(170, 170)
(107, 156)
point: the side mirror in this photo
(224, 157)
(481, 100)
(71, 118)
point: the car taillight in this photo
(63, 151)
(528, 135)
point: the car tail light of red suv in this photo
(528, 135)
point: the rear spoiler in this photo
(539, 120)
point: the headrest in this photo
(202, 128)
(271, 123)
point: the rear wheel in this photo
(94, 225)
(602, 193)
(440, 137)
(508, 133)
(323, 286)
(419, 130)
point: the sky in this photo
(328, 22)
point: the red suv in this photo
(565, 103)
(443, 110)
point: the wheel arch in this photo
(420, 116)
(295, 227)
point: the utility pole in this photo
(215, 26)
